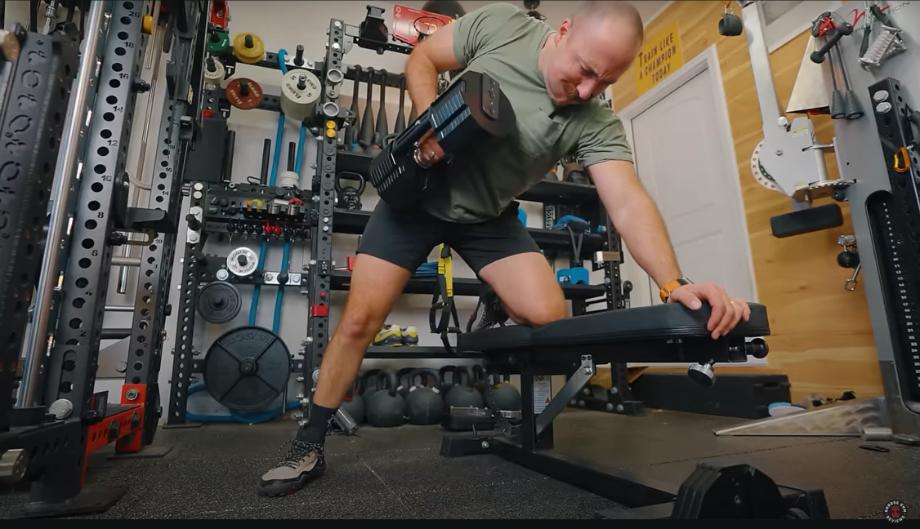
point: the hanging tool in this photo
(367, 121)
(730, 24)
(442, 317)
(886, 45)
(272, 179)
(382, 128)
(351, 135)
(576, 273)
(838, 104)
(851, 105)
(291, 176)
(401, 116)
(824, 26)
(849, 258)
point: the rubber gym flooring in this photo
(212, 471)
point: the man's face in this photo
(589, 57)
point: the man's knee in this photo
(358, 323)
(542, 314)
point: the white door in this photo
(684, 157)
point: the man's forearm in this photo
(421, 81)
(643, 231)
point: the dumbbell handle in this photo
(834, 36)
(413, 133)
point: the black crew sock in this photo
(315, 429)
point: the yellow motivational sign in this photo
(660, 56)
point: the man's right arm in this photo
(431, 57)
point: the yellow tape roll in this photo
(248, 48)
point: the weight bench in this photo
(574, 346)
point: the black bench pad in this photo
(655, 323)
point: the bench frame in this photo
(530, 443)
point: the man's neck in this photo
(548, 45)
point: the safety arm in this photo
(636, 218)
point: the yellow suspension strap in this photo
(443, 309)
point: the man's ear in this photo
(565, 27)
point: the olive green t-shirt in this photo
(502, 41)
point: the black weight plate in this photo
(219, 302)
(247, 368)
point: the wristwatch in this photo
(670, 286)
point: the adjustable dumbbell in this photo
(472, 110)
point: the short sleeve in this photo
(603, 139)
(482, 30)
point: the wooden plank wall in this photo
(822, 338)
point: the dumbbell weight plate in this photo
(242, 261)
(247, 368)
(219, 302)
(247, 102)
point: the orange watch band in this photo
(671, 286)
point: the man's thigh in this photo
(504, 255)
(527, 287)
(403, 238)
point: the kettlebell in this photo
(369, 383)
(354, 403)
(348, 196)
(462, 395)
(404, 378)
(424, 403)
(730, 25)
(447, 382)
(505, 396)
(386, 407)
(479, 381)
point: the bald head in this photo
(623, 12)
(590, 51)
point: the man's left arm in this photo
(636, 218)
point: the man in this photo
(551, 79)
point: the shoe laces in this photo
(298, 450)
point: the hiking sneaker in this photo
(389, 335)
(492, 312)
(303, 463)
(410, 335)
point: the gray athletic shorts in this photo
(405, 238)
